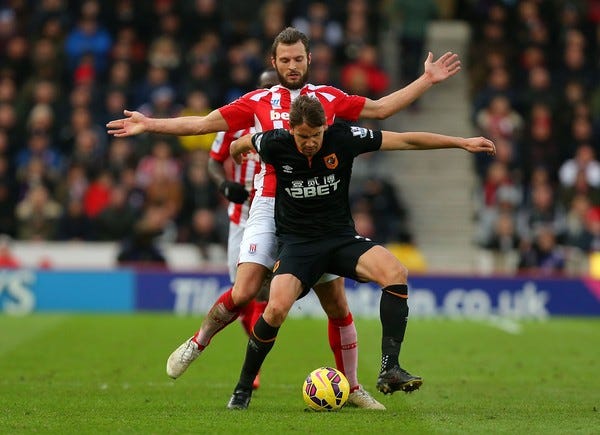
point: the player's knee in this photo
(275, 313)
(336, 310)
(395, 273)
(242, 295)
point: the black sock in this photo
(260, 343)
(393, 313)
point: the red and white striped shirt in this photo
(266, 109)
(243, 174)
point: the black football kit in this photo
(312, 211)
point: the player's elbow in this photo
(378, 110)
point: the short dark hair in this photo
(307, 110)
(289, 36)
(268, 78)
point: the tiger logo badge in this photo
(331, 161)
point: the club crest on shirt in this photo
(331, 161)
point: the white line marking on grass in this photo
(505, 324)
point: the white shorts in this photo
(259, 243)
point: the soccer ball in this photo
(325, 389)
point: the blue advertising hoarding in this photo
(454, 296)
(24, 291)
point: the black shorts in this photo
(309, 258)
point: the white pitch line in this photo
(505, 324)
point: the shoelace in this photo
(362, 393)
(188, 353)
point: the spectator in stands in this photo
(88, 36)
(164, 52)
(585, 162)
(357, 29)
(37, 215)
(120, 156)
(88, 152)
(203, 71)
(73, 224)
(581, 186)
(318, 24)
(97, 195)
(544, 211)
(576, 225)
(542, 256)
(491, 233)
(162, 104)
(364, 76)
(589, 239)
(204, 231)
(200, 17)
(379, 199)
(116, 221)
(413, 17)
(39, 147)
(499, 120)
(8, 90)
(323, 68)
(540, 145)
(539, 89)
(200, 190)
(140, 248)
(155, 77)
(73, 186)
(120, 78)
(15, 56)
(160, 163)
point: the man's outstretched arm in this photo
(435, 72)
(432, 141)
(136, 123)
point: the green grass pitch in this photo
(105, 374)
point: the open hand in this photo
(133, 124)
(443, 68)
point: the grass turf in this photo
(105, 374)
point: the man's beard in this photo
(295, 85)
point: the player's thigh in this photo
(332, 296)
(379, 265)
(285, 289)
(234, 240)
(248, 282)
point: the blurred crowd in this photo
(535, 87)
(68, 67)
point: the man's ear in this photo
(309, 57)
(273, 62)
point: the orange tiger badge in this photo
(331, 161)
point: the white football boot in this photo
(182, 357)
(362, 399)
